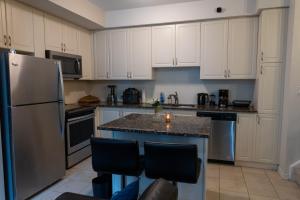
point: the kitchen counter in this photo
(146, 123)
(191, 107)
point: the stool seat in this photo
(173, 162)
(116, 156)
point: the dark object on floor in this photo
(158, 190)
(102, 186)
(174, 162)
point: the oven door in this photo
(79, 132)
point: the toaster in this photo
(131, 96)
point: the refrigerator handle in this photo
(61, 99)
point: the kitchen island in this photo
(181, 129)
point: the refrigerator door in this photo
(2, 188)
(38, 147)
(33, 80)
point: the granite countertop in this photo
(148, 123)
(191, 107)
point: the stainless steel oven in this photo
(80, 126)
(71, 64)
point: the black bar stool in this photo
(173, 162)
(111, 156)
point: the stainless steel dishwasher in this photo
(221, 143)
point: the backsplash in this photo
(74, 90)
(183, 80)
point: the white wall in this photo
(185, 81)
(196, 10)
(290, 141)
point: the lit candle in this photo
(168, 118)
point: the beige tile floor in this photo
(223, 183)
(238, 183)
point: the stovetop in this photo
(75, 108)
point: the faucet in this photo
(175, 96)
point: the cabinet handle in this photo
(107, 75)
(65, 47)
(5, 40)
(173, 62)
(262, 56)
(62, 47)
(130, 74)
(225, 73)
(237, 119)
(9, 39)
(258, 119)
(176, 61)
(228, 74)
(261, 69)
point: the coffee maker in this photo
(112, 97)
(223, 98)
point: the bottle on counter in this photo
(162, 98)
(143, 96)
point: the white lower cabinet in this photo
(257, 138)
(245, 132)
(266, 139)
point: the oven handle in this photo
(85, 117)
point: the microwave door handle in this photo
(78, 66)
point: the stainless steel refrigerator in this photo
(32, 109)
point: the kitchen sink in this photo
(179, 106)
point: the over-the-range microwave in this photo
(71, 64)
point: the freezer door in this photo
(33, 80)
(38, 147)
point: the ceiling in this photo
(127, 4)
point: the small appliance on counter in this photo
(212, 100)
(241, 103)
(88, 100)
(223, 98)
(203, 98)
(112, 97)
(131, 96)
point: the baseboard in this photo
(256, 165)
(291, 169)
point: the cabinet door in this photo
(269, 89)
(70, 38)
(85, 50)
(118, 56)
(20, 26)
(3, 42)
(266, 140)
(242, 48)
(101, 55)
(140, 53)
(188, 44)
(163, 46)
(53, 33)
(214, 42)
(245, 134)
(39, 34)
(273, 32)
(105, 117)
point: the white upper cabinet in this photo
(3, 39)
(273, 26)
(214, 44)
(118, 54)
(245, 134)
(163, 46)
(242, 48)
(70, 38)
(39, 34)
(101, 55)
(19, 26)
(269, 88)
(187, 44)
(60, 36)
(266, 140)
(85, 50)
(139, 65)
(53, 33)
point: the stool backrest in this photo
(115, 156)
(174, 162)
